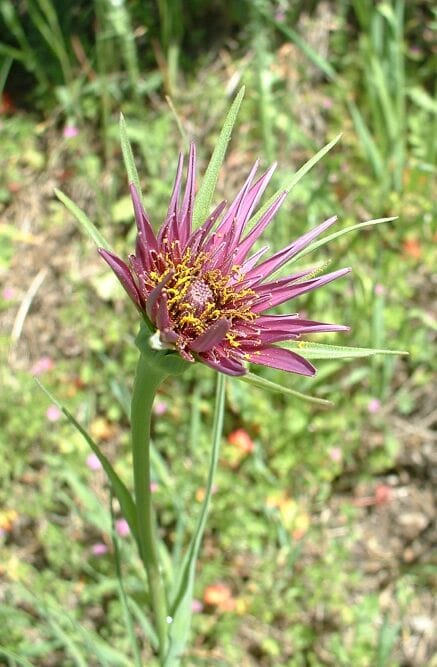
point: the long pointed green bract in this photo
(83, 220)
(120, 490)
(290, 182)
(128, 157)
(181, 607)
(262, 383)
(336, 235)
(205, 194)
(322, 351)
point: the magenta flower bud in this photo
(93, 462)
(99, 549)
(122, 527)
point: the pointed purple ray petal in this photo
(124, 275)
(232, 213)
(295, 325)
(163, 320)
(198, 237)
(246, 244)
(152, 299)
(145, 230)
(282, 294)
(223, 364)
(186, 214)
(278, 259)
(167, 229)
(283, 360)
(212, 336)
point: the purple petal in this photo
(282, 294)
(168, 227)
(223, 364)
(255, 233)
(212, 336)
(152, 299)
(145, 230)
(295, 325)
(283, 360)
(283, 256)
(188, 202)
(198, 237)
(124, 275)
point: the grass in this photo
(316, 560)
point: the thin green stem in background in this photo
(147, 380)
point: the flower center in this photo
(198, 296)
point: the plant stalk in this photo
(147, 380)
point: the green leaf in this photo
(290, 182)
(83, 220)
(262, 383)
(322, 351)
(181, 607)
(206, 190)
(14, 656)
(120, 490)
(336, 235)
(128, 157)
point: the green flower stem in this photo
(147, 380)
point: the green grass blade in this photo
(205, 194)
(11, 655)
(322, 351)
(181, 607)
(367, 141)
(290, 182)
(122, 592)
(336, 235)
(128, 157)
(120, 490)
(262, 383)
(83, 220)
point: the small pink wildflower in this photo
(99, 549)
(122, 527)
(154, 486)
(374, 406)
(335, 454)
(160, 407)
(196, 606)
(379, 289)
(53, 413)
(93, 462)
(70, 131)
(42, 365)
(8, 293)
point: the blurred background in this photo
(318, 547)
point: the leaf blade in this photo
(206, 190)
(83, 220)
(262, 383)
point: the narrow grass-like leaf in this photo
(300, 42)
(262, 383)
(290, 182)
(120, 490)
(128, 157)
(121, 590)
(367, 140)
(83, 220)
(181, 607)
(388, 635)
(322, 351)
(336, 235)
(11, 655)
(144, 622)
(205, 194)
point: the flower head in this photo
(203, 291)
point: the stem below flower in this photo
(147, 380)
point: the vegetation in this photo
(318, 546)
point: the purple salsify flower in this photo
(205, 294)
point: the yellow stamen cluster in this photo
(197, 297)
